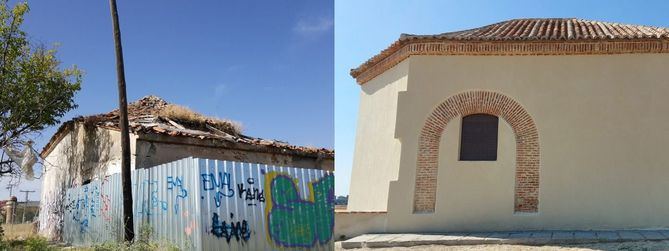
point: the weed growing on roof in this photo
(190, 119)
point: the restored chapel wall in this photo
(601, 134)
(377, 152)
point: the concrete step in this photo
(514, 237)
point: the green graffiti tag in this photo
(293, 221)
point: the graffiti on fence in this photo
(293, 221)
(52, 213)
(220, 185)
(88, 204)
(188, 229)
(228, 229)
(249, 193)
(258, 207)
(176, 185)
(153, 204)
(105, 207)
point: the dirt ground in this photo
(640, 245)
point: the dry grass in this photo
(18, 231)
(190, 118)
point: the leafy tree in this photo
(341, 200)
(34, 91)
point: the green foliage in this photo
(36, 243)
(145, 233)
(137, 246)
(143, 242)
(34, 91)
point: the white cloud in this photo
(310, 26)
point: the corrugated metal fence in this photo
(201, 204)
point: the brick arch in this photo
(526, 198)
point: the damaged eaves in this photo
(146, 117)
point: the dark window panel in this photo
(478, 137)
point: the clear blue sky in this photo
(268, 65)
(364, 28)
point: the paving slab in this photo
(365, 237)
(584, 237)
(607, 236)
(518, 237)
(630, 235)
(474, 239)
(432, 239)
(653, 235)
(664, 232)
(451, 238)
(387, 237)
(406, 240)
(512, 237)
(382, 241)
(542, 234)
(480, 234)
(497, 237)
(540, 238)
(563, 236)
(358, 241)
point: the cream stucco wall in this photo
(602, 133)
(376, 158)
(475, 191)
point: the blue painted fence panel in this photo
(201, 204)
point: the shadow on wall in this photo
(388, 78)
(88, 154)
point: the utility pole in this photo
(25, 204)
(10, 188)
(123, 123)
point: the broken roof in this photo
(153, 115)
(529, 36)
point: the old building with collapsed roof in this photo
(89, 148)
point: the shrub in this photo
(36, 243)
(143, 242)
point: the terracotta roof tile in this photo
(550, 29)
(523, 31)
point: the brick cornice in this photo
(403, 49)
